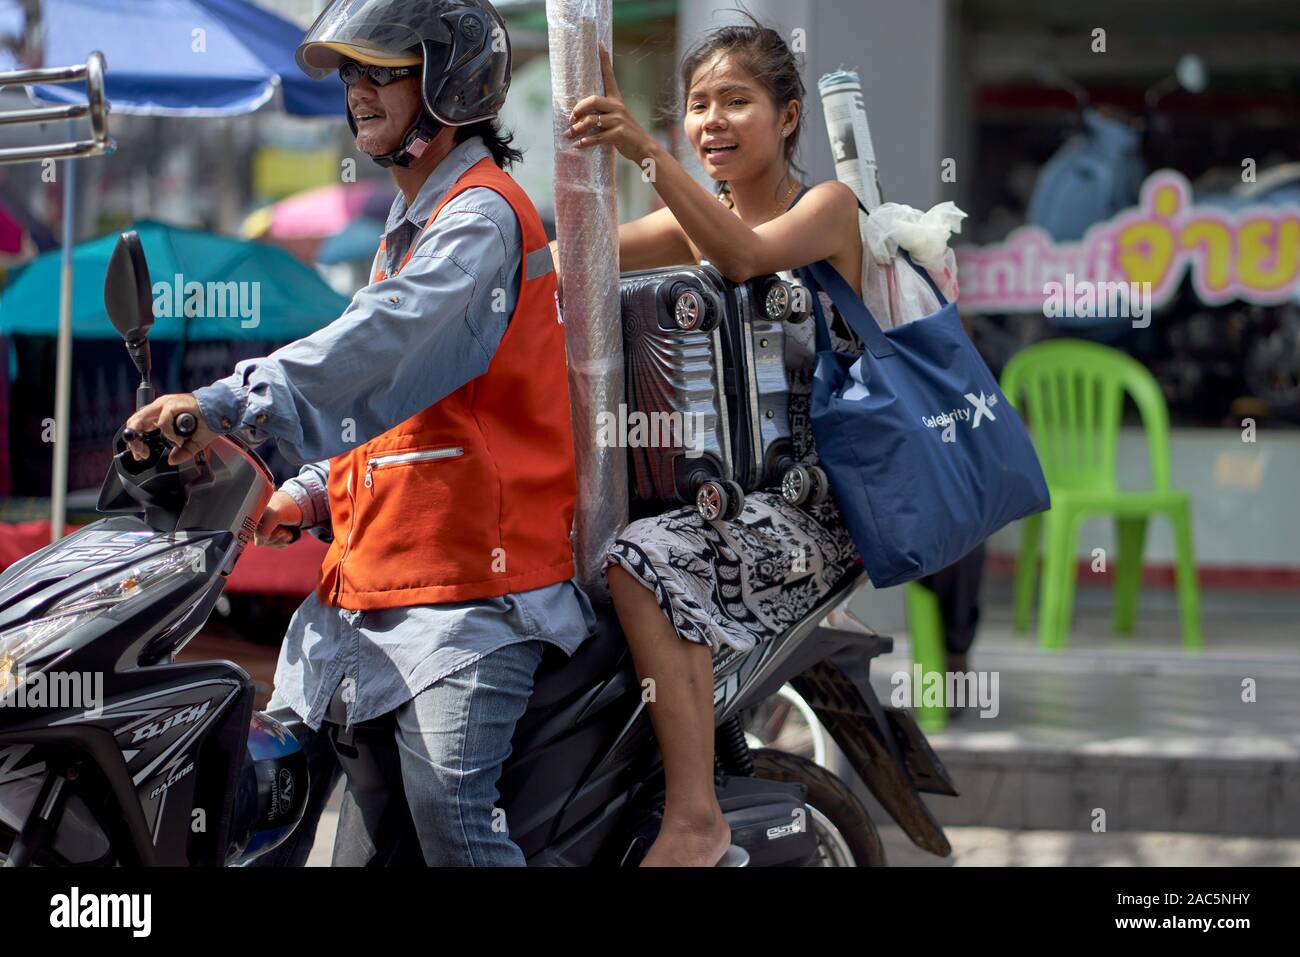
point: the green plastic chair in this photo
(1070, 393)
(925, 627)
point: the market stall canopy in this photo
(205, 287)
(178, 57)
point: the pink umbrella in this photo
(319, 213)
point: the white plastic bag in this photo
(892, 289)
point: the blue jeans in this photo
(453, 738)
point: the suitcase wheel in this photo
(711, 500)
(796, 485)
(778, 302)
(737, 503)
(695, 309)
(821, 485)
(787, 302)
(719, 500)
(805, 485)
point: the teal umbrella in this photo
(204, 287)
(357, 240)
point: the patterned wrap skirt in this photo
(731, 584)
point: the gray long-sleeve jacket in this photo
(403, 344)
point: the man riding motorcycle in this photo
(435, 415)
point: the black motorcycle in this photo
(172, 766)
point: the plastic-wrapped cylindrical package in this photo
(586, 228)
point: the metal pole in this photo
(63, 363)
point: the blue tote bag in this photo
(925, 457)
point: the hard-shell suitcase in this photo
(707, 392)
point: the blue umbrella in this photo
(180, 57)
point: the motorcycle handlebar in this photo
(186, 424)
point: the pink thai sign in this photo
(1251, 254)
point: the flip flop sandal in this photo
(733, 856)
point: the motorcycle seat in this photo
(559, 677)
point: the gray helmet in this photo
(463, 45)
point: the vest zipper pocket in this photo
(347, 544)
(405, 458)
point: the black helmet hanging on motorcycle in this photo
(462, 44)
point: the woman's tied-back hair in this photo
(762, 53)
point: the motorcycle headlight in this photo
(22, 642)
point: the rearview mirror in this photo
(128, 297)
(127, 291)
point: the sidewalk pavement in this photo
(996, 847)
(1160, 739)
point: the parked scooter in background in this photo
(1098, 172)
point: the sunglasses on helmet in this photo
(350, 72)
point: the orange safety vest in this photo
(473, 497)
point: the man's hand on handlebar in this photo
(179, 420)
(281, 522)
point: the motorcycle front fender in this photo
(829, 668)
(883, 745)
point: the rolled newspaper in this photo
(586, 227)
(846, 124)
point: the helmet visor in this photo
(383, 32)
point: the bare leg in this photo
(694, 832)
